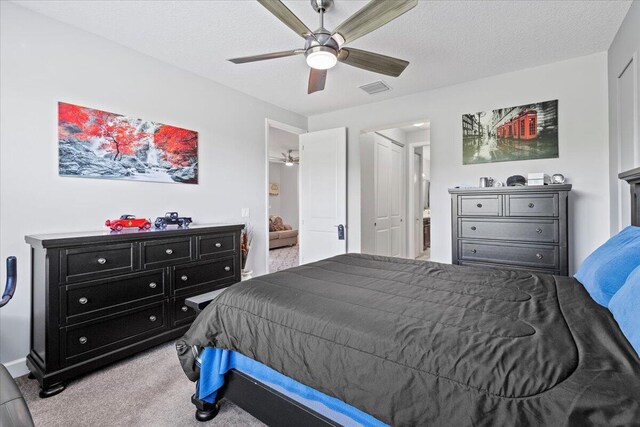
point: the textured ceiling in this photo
(447, 42)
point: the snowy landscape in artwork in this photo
(98, 144)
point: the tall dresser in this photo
(512, 227)
(102, 296)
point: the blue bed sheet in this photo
(216, 362)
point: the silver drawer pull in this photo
(185, 308)
(473, 251)
(227, 268)
(218, 245)
(102, 260)
(479, 205)
(473, 228)
(539, 230)
(152, 318)
(82, 340)
(184, 278)
(539, 256)
(169, 251)
(531, 205)
(152, 285)
(83, 300)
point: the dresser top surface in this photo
(126, 235)
(509, 190)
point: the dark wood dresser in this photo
(515, 227)
(102, 296)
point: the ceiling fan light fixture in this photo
(321, 57)
(288, 163)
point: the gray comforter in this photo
(420, 343)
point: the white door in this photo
(418, 204)
(323, 194)
(389, 197)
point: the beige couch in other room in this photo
(281, 238)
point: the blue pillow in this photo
(625, 307)
(607, 268)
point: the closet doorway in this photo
(395, 183)
(383, 193)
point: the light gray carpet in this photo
(148, 389)
(283, 258)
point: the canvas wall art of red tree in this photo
(98, 144)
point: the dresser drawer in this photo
(82, 341)
(483, 264)
(98, 261)
(541, 231)
(216, 246)
(525, 255)
(204, 274)
(532, 205)
(166, 252)
(489, 205)
(92, 299)
(182, 314)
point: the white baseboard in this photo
(17, 368)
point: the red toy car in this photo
(128, 221)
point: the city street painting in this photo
(98, 144)
(524, 132)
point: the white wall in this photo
(286, 203)
(274, 178)
(44, 61)
(289, 203)
(426, 162)
(579, 84)
(624, 116)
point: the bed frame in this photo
(266, 404)
(633, 178)
(275, 409)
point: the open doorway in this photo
(395, 182)
(419, 186)
(283, 199)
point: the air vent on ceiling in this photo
(375, 87)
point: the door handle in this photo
(340, 231)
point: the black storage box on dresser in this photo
(523, 228)
(102, 296)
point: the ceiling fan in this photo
(287, 158)
(324, 49)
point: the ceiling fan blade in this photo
(372, 16)
(265, 56)
(372, 61)
(317, 78)
(282, 12)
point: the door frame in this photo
(418, 238)
(270, 123)
(411, 229)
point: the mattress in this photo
(420, 343)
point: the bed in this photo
(408, 342)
